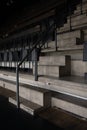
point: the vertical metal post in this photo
(29, 55)
(55, 38)
(36, 66)
(17, 86)
(36, 75)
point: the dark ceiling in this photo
(12, 12)
(10, 9)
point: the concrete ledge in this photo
(30, 107)
(72, 34)
(39, 96)
(68, 106)
(76, 88)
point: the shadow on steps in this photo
(11, 118)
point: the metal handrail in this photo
(18, 65)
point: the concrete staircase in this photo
(69, 39)
(77, 20)
(32, 99)
(54, 66)
(73, 39)
(67, 93)
(71, 104)
(61, 81)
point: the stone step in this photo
(72, 34)
(70, 48)
(78, 67)
(70, 85)
(84, 5)
(75, 54)
(80, 19)
(78, 11)
(79, 22)
(80, 26)
(65, 120)
(76, 22)
(53, 71)
(52, 60)
(64, 29)
(78, 8)
(49, 46)
(69, 42)
(53, 66)
(36, 95)
(26, 105)
(71, 104)
(76, 17)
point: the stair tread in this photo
(63, 119)
(75, 47)
(27, 86)
(71, 99)
(24, 103)
(27, 103)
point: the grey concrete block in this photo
(72, 34)
(38, 96)
(69, 42)
(70, 107)
(52, 60)
(48, 69)
(30, 107)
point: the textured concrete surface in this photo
(63, 119)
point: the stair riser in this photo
(69, 35)
(53, 71)
(77, 18)
(78, 67)
(30, 111)
(78, 22)
(52, 60)
(84, 6)
(79, 11)
(25, 108)
(68, 43)
(70, 107)
(40, 98)
(51, 44)
(48, 70)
